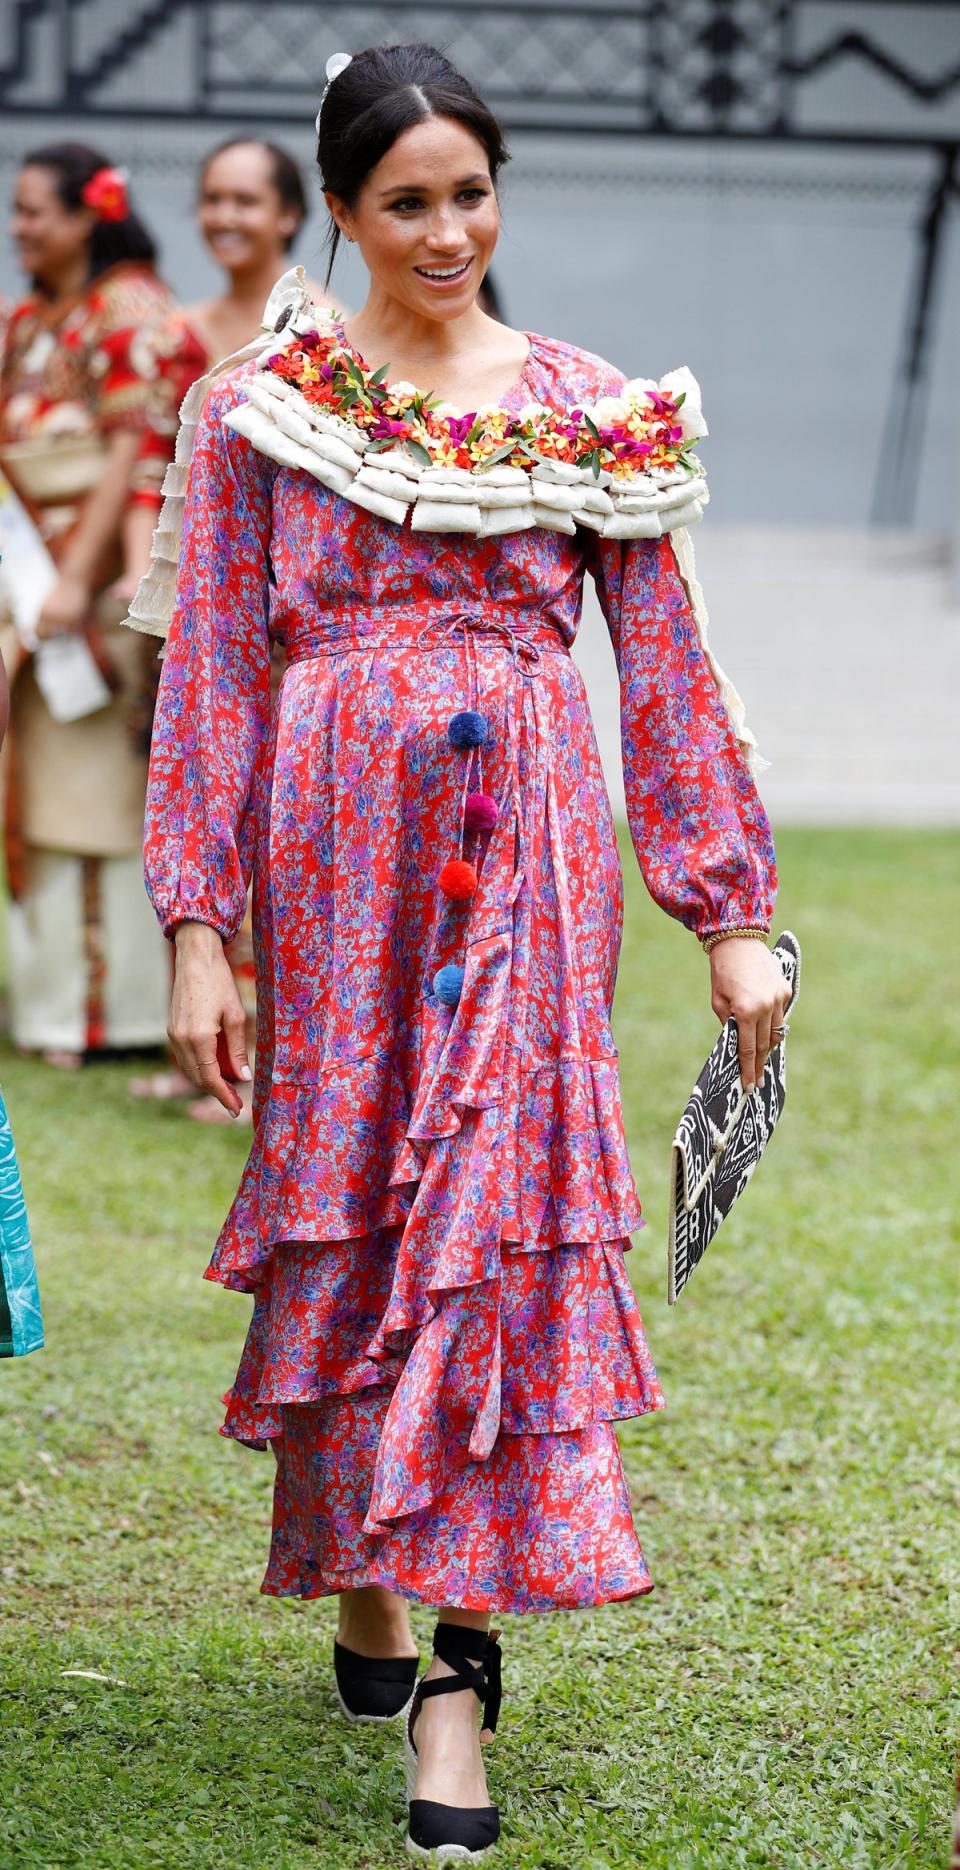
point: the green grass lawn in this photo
(787, 1696)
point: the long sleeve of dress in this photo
(213, 706)
(700, 832)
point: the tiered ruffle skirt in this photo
(435, 1210)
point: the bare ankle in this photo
(375, 1622)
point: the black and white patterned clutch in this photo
(721, 1136)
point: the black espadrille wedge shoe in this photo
(373, 1689)
(452, 1834)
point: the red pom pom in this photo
(458, 880)
(481, 812)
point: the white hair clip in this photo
(336, 63)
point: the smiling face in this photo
(239, 211)
(426, 219)
(51, 240)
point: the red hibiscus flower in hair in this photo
(106, 193)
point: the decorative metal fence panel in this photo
(739, 68)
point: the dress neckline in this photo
(506, 397)
(51, 314)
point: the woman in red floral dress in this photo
(78, 444)
(437, 1201)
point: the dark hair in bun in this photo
(384, 91)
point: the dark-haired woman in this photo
(434, 1213)
(251, 206)
(76, 443)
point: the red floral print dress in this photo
(86, 965)
(91, 371)
(434, 1213)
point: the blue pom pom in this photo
(448, 983)
(467, 730)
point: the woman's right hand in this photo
(206, 1002)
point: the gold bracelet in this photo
(710, 941)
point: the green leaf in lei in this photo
(419, 452)
(679, 401)
(591, 428)
(502, 454)
(590, 460)
(379, 377)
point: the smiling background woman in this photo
(436, 1205)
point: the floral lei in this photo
(636, 432)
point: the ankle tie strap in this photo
(477, 1661)
(493, 1686)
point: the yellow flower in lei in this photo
(493, 421)
(482, 449)
(620, 470)
(398, 400)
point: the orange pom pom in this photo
(458, 880)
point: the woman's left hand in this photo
(66, 609)
(747, 982)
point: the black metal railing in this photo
(743, 68)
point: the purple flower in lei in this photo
(386, 427)
(460, 427)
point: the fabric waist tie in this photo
(527, 637)
(527, 634)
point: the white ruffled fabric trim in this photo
(153, 603)
(729, 695)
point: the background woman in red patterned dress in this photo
(78, 445)
(437, 1201)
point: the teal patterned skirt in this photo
(21, 1325)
